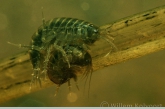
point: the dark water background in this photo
(135, 82)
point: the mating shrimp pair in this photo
(59, 49)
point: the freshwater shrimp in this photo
(53, 49)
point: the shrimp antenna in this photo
(43, 18)
(110, 42)
(19, 45)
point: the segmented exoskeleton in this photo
(59, 48)
(57, 33)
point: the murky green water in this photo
(136, 82)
